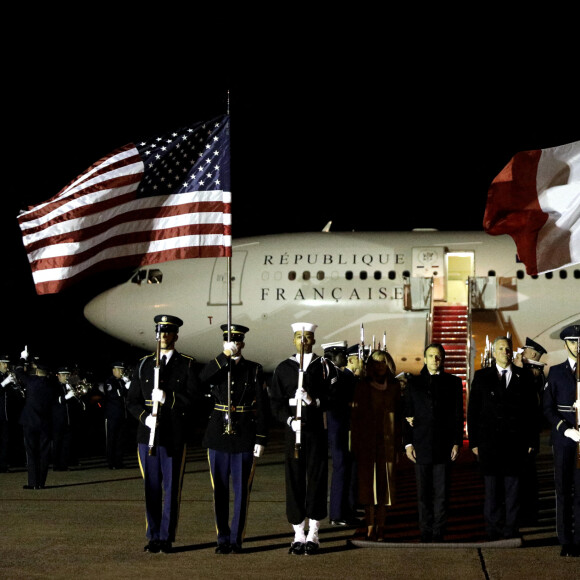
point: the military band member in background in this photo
(114, 395)
(306, 473)
(36, 417)
(62, 419)
(560, 406)
(236, 434)
(163, 468)
(433, 437)
(341, 510)
(501, 423)
(529, 357)
(11, 403)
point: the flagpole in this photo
(229, 428)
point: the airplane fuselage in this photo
(385, 282)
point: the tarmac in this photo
(90, 523)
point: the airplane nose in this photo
(96, 311)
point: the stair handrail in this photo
(429, 321)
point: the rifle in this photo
(578, 398)
(299, 401)
(156, 372)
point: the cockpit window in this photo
(149, 276)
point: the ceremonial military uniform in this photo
(307, 474)
(114, 392)
(36, 420)
(560, 394)
(231, 445)
(163, 469)
(341, 505)
(11, 402)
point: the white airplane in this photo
(385, 284)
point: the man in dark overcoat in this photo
(502, 428)
(433, 437)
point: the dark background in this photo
(373, 122)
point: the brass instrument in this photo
(79, 390)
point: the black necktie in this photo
(502, 380)
(163, 361)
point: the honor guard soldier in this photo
(236, 433)
(114, 395)
(529, 357)
(561, 403)
(299, 395)
(11, 402)
(36, 417)
(341, 510)
(160, 397)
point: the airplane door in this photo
(218, 291)
(430, 263)
(460, 267)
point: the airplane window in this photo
(549, 275)
(406, 274)
(348, 275)
(320, 275)
(392, 274)
(291, 275)
(363, 275)
(563, 274)
(576, 274)
(378, 275)
(306, 275)
(155, 276)
(491, 273)
(520, 274)
(535, 277)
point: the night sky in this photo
(373, 131)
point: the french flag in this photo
(536, 200)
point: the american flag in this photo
(167, 198)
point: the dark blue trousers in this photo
(340, 506)
(501, 505)
(567, 483)
(163, 477)
(238, 467)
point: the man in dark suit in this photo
(172, 386)
(561, 404)
(236, 433)
(433, 436)
(501, 423)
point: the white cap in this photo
(339, 344)
(303, 326)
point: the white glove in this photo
(231, 346)
(295, 424)
(302, 394)
(69, 395)
(24, 353)
(150, 421)
(158, 396)
(573, 434)
(258, 450)
(125, 379)
(127, 384)
(7, 381)
(576, 404)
